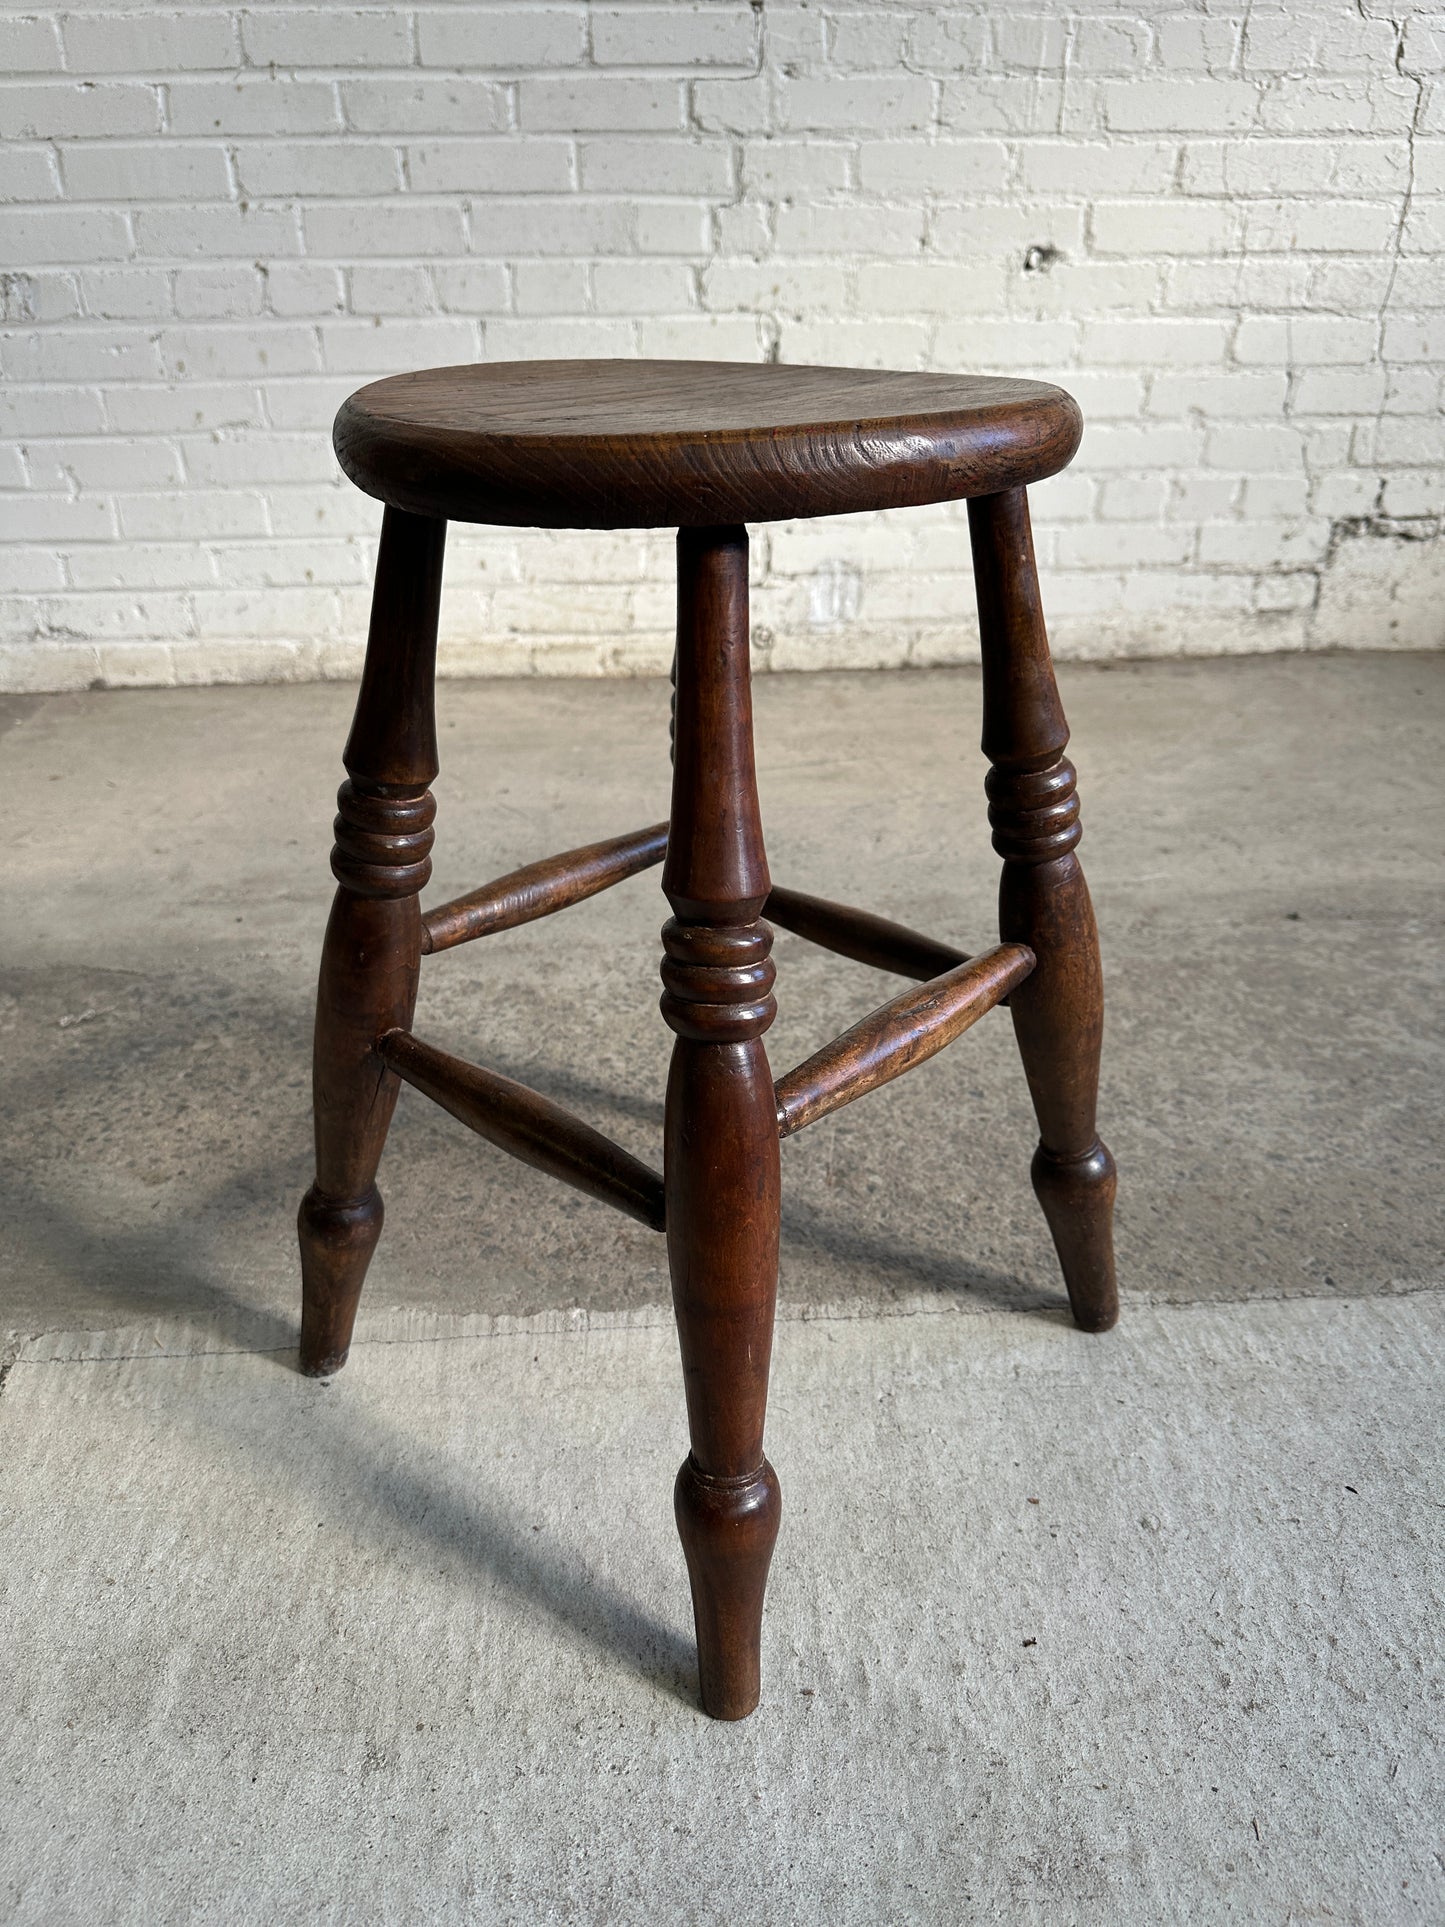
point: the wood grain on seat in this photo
(638, 444)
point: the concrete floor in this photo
(1262, 840)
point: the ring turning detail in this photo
(613, 444)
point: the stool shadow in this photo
(884, 1256)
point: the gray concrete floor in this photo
(1061, 1629)
(1262, 839)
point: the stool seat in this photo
(693, 444)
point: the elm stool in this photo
(703, 447)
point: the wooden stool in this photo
(702, 447)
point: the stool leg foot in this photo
(370, 961)
(720, 1160)
(1058, 1012)
(728, 1528)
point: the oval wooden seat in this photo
(664, 444)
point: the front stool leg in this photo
(721, 1163)
(1058, 1012)
(371, 958)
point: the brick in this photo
(1415, 338)
(1285, 43)
(950, 43)
(289, 170)
(985, 229)
(1424, 44)
(598, 103)
(868, 42)
(1338, 106)
(326, 37)
(149, 41)
(471, 287)
(1346, 227)
(1198, 46)
(627, 166)
(1247, 395)
(501, 38)
(79, 234)
(428, 104)
(721, 34)
(824, 228)
(700, 337)
(58, 518)
(1263, 447)
(103, 464)
(191, 515)
(1155, 342)
(63, 110)
(52, 411)
(495, 166)
(581, 338)
(955, 170)
(361, 347)
(733, 106)
(1172, 227)
(29, 174)
(1338, 391)
(1109, 46)
(642, 287)
(166, 232)
(1169, 106)
(846, 104)
(401, 227)
(506, 228)
(930, 287)
(238, 458)
(29, 571)
(223, 292)
(303, 288)
(253, 104)
(189, 405)
(29, 45)
(549, 287)
(255, 349)
(157, 171)
(1424, 229)
(1078, 169)
(795, 167)
(390, 288)
(799, 287)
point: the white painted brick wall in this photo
(1221, 226)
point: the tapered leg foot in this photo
(1077, 1195)
(337, 1241)
(728, 1529)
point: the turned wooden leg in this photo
(721, 1138)
(1058, 1013)
(371, 956)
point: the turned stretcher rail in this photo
(539, 889)
(528, 1126)
(898, 1035)
(860, 935)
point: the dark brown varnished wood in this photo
(860, 935)
(705, 446)
(720, 1162)
(371, 955)
(541, 889)
(897, 1036)
(527, 1125)
(656, 444)
(1058, 1013)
